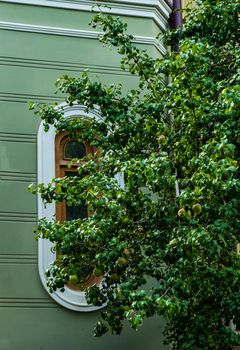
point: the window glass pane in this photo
(75, 212)
(74, 149)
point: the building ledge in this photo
(158, 10)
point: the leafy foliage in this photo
(159, 136)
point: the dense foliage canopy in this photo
(175, 223)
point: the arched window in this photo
(54, 156)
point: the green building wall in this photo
(40, 41)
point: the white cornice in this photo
(158, 10)
(87, 34)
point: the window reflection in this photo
(74, 149)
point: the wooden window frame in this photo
(62, 166)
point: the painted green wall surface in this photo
(39, 44)
(67, 18)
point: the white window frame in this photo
(70, 299)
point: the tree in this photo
(176, 222)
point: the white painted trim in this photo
(158, 10)
(73, 300)
(87, 34)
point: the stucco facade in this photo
(40, 41)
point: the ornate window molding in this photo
(71, 299)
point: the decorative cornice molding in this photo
(87, 34)
(158, 10)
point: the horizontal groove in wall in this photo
(58, 65)
(26, 303)
(19, 217)
(25, 98)
(18, 259)
(17, 137)
(17, 176)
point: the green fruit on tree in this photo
(122, 261)
(115, 277)
(161, 139)
(222, 147)
(172, 242)
(97, 272)
(181, 212)
(127, 252)
(197, 208)
(126, 307)
(73, 279)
